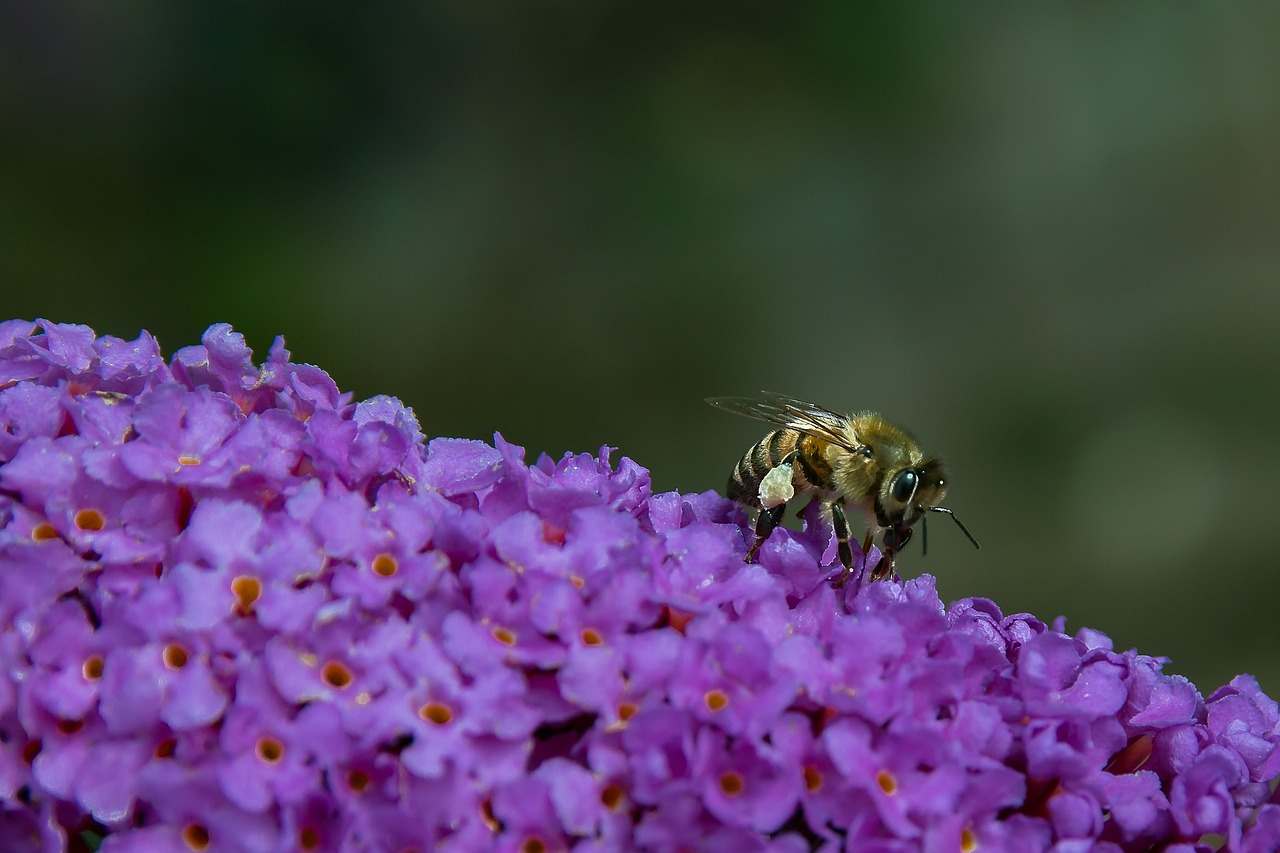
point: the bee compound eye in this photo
(904, 485)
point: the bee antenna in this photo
(924, 539)
(959, 523)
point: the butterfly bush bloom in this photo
(241, 612)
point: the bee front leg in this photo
(895, 538)
(884, 565)
(883, 568)
(765, 522)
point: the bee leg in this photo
(765, 522)
(895, 539)
(883, 566)
(841, 524)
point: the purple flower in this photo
(241, 611)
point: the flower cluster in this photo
(240, 612)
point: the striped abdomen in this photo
(811, 468)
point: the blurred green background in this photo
(1044, 236)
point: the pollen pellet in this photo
(731, 783)
(968, 841)
(269, 750)
(716, 700)
(591, 637)
(776, 488)
(504, 635)
(336, 674)
(92, 668)
(196, 837)
(436, 712)
(90, 519)
(385, 565)
(43, 532)
(174, 656)
(887, 782)
(812, 779)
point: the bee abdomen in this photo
(744, 483)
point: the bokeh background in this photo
(1044, 236)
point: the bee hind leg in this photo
(765, 522)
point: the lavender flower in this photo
(241, 612)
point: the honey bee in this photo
(859, 461)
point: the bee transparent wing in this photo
(789, 412)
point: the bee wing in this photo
(789, 412)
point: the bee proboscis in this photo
(860, 461)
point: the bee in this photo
(859, 461)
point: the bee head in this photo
(913, 491)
